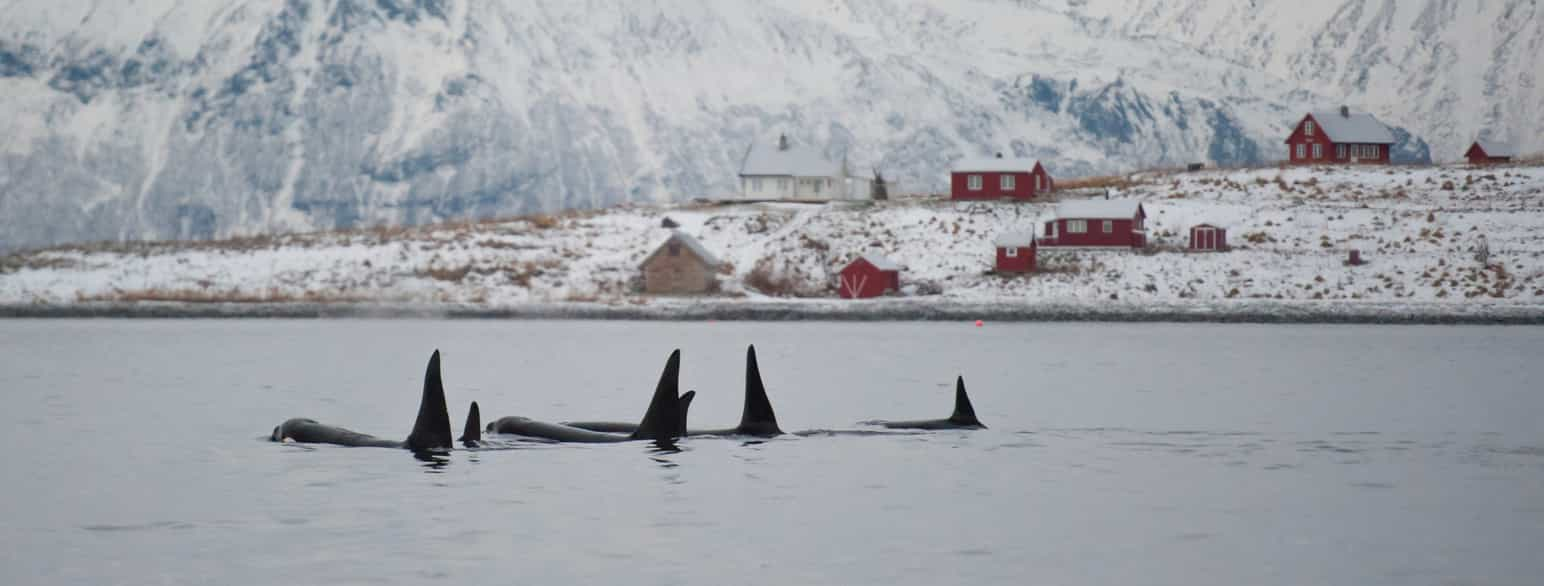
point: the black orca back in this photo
(663, 420)
(432, 429)
(757, 418)
(472, 433)
(964, 413)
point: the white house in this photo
(788, 171)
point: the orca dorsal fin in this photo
(964, 413)
(663, 419)
(432, 429)
(472, 433)
(758, 417)
(686, 405)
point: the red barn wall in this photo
(1329, 153)
(1120, 234)
(1023, 263)
(860, 279)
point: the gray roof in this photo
(1496, 148)
(766, 159)
(994, 165)
(1359, 128)
(691, 244)
(881, 263)
(1015, 239)
(1100, 209)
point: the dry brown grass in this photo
(1096, 182)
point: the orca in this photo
(964, 416)
(430, 431)
(625, 427)
(471, 435)
(662, 422)
(756, 419)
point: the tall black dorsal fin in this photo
(432, 430)
(964, 413)
(757, 418)
(686, 405)
(663, 419)
(472, 433)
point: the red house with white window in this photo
(870, 275)
(1016, 252)
(1097, 223)
(999, 178)
(1339, 137)
(1484, 152)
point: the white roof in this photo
(690, 243)
(994, 165)
(881, 263)
(796, 161)
(1015, 239)
(1102, 209)
(1359, 127)
(1495, 148)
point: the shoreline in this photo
(688, 310)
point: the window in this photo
(756, 184)
(1318, 151)
(1013, 252)
(1109, 226)
(1006, 181)
(1077, 226)
(1340, 151)
(1377, 151)
(818, 183)
(1302, 151)
(1308, 128)
(974, 182)
(782, 185)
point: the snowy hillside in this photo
(1290, 232)
(168, 119)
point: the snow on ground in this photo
(1290, 231)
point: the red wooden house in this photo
(1097, 223)
(1016, 252)
(999, 178)
(1339, 137)
(1206, 237)
(869, 275)
(1485, 151)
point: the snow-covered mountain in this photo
(172, 119)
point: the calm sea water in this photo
(1117, 454)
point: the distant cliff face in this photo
(167, 119)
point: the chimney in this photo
(782, 142)
(999, 154)
(1345, 111)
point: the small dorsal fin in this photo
(432, 429)
(758, 417)
(663, 419)
(686, 405)
(472, 433)
(964, 413)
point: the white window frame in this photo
(1109, 227)
(1013, 251)
(1302, 151)
(1340, 151)
(1006, 181)
(1318, 151)
(817, 186)
(1308, 128)
(973, 182)
(756, 185)
(1077, 226)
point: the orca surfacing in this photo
(430, 431)
(964, 416)
(663, 421)
(756, 419)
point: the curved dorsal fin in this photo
(432, 429)
(663, 419)
(758, 417)
(472, 433)
(686, 404)
(964, 413)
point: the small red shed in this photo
(1097, 223)
(1016, 252)
(1339, 137)
(870, 275)
(1206, 237)
(999, 178)
(1485, 152)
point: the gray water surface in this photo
(1117, 454)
